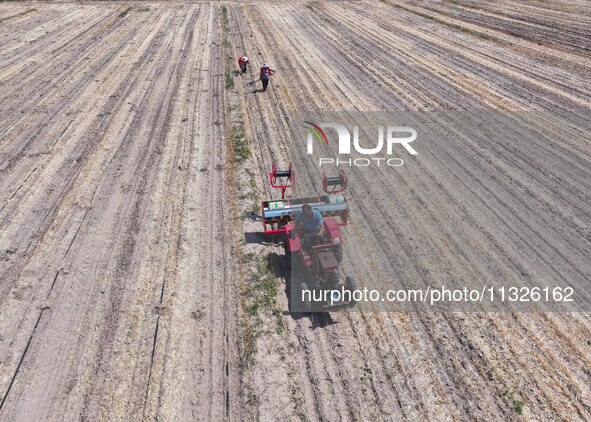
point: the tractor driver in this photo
(310, 222)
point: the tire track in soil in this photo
(114, 102)
(117, 150)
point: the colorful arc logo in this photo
(317, 130)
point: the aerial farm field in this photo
(133, 159)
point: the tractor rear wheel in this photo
(306, 305)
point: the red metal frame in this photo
(334, 188)
(289, 182)
(332, 231)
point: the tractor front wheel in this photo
(338, 252)
(350, 285)
(332, 279)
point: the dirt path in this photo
(128, 282)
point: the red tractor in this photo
(314, 259)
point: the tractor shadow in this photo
(252, 239)
(260, 238)
(255, 217)
(279, 265)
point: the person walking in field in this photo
(266, 73)
(243, 63)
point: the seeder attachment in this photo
(279, 212)
(286, 179)
(334, 184)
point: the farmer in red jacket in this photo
(243, 62)
(266, 73)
